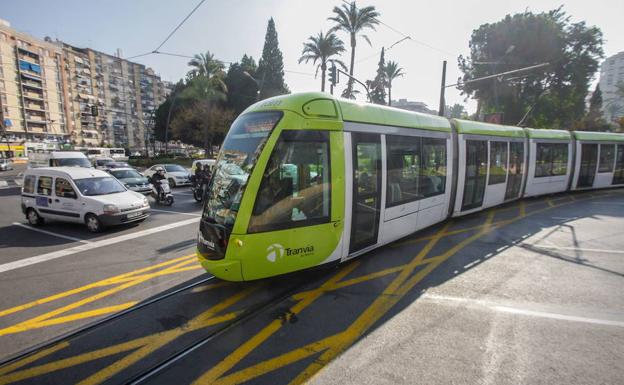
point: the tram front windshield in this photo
(238, 156)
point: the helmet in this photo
(160, 169)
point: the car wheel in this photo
(34, 218)
(93, 223)
(169, 201)
(172, 182)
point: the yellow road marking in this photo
(48, 319)
(243, 350)
(33, 357)
(145, 345)
(104, 282)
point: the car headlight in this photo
(111, 209)
(145, 202)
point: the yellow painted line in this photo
(33, 357)
(25, 326)
(277, 362)
(243, 350)
(210, 287)
(104, 282)
(522, 208)
(35, 322)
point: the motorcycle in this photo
(199, 189)
(165, 197)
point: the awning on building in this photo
(85, 96)
(78, 59)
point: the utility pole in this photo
(442, 88)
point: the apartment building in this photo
(612, 74)
(51, 90)
(32, 88)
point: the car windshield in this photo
(99, 186)
(70, 162)
(126, 174)
(174, 168)
(238, 155)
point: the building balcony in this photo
(32, 85)
(32, 95)
(34, 107)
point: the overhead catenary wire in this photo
(155, 50)
(406, 35)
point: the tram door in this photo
(589, 159)
(516, 165)
(366, 190)
(476, 174)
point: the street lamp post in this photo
(258, 84)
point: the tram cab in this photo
(550, 161)
(491, 165)
(600, 160)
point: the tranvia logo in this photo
(277, 251)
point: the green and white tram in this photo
(308, 179)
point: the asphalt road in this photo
(169, 233)
(526, 293)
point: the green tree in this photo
(271, 66)
(392, 71)
(353, 20)
(242, 88)
(377, 87)
(456, 111)
(572, 49)
(202, 124)
(204, 64)
(322, 48)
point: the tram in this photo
(307, 179)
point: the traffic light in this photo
(94, 110)
(332, 75)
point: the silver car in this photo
(6, 164)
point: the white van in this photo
(80, 195)
(58, 159)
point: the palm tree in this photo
(206, 78)
(321, 48)
(354, 21)
(204, 64)
(393, 71)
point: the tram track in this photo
(77, 332)
(274, 291)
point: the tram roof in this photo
(489, 129)
(325, 106)
(599, 136)
(543, 133)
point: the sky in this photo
(440, 30)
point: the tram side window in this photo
(403, 169)
(295, 188)
(498, 162)
(416, 168)
(433, 169)
(607, 158)
(551, 159)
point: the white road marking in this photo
(526, 312)
(175, 212)
(92, 245)
(50, 233)
(575, 249)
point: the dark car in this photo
(132, 179)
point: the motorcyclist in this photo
(199, 176)
(156, 178)
(203, 181)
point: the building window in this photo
(607, 157)
(551, 159)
